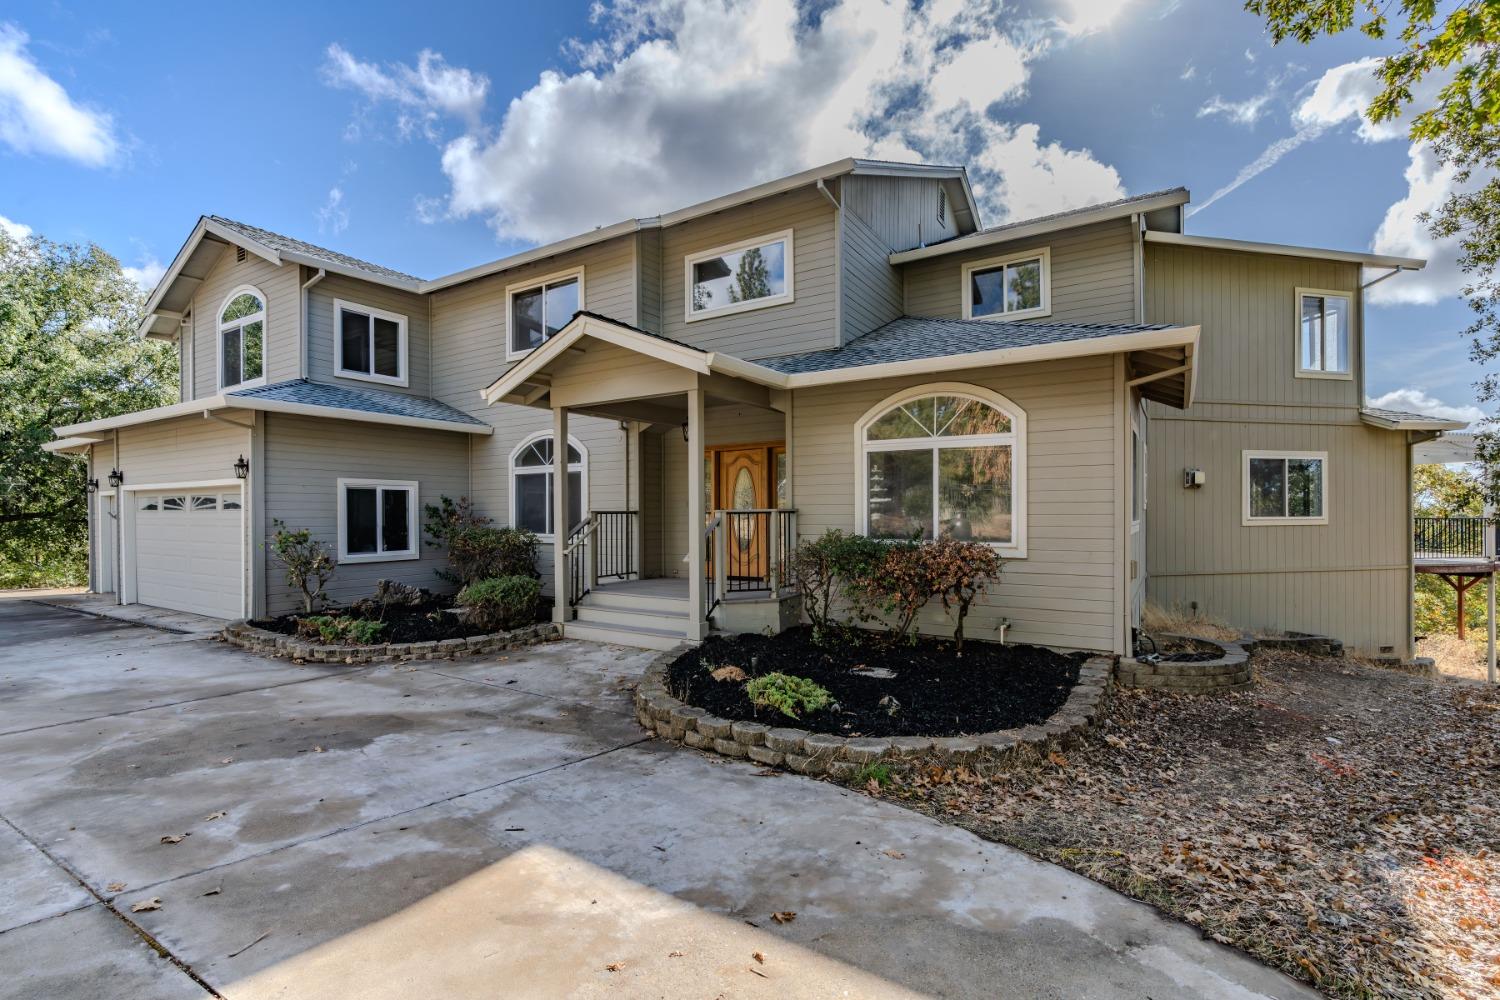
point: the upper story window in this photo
(945, 460)
(539, 309)
(1286, 487)
(242, 338)
(370, 343)
(751, 274)
(1323, 333)
(1006, 288)
(531, 471)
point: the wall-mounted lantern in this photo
(1193, 479)
(93, 485)
(116, 477)
(241, 468)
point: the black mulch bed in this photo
(429, 621)
(992, 687)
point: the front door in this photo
(743, 484)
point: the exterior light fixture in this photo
(116, 477)
(241, 468)
(684, 430)
(93, 485)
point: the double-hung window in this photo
(377, 520)
(539, 309)
(1008, 288)
(751, 274)
(1286, 487)
(1323, 334)
(242, 338)
(369, 344)
(531, 470)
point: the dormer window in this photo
(370, 344)
(539, 309)
(1009, 288)
(242, 338)
(751, 274)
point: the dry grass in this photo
(1339, 822)
(1455, 657)
(1157, 620)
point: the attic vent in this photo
(239, 254)
(942, 212)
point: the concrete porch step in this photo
(608, 597)
(596, 614)
(641, 636)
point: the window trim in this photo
(339, 371)
(1247, 520)
(265, 330)
(786, 297)
(967, 284)
(1328, 293)
(411, 486)
(511, 291)
(1016, 547)
(583, 478)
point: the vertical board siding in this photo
(871, 287)
(1347, 578)
(902, 211)
(305, 458)
(1092, 278)
(1067, 591)
(805, 324)
(648, 292)
(322, 330)
(279, 286)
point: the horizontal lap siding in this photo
(321, 330)
(1093, 275)
(807, 323)
(279, 286)
(305, 458)
(1066, 592)
(871, 287)
(183, 450)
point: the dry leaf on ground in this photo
(759, 957)
(146, 905)
(728, 673)
(898, 855)
(614, 967)
(116, 887)
(784, 916)
(173, 838)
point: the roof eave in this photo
(1286, 250)
(1410, 424)
(359, 416)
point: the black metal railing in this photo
(575, 551)
(747, 550)
(786, 541)
(614, 539)
(711, 593)
(1453, 537)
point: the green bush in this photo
(503, 602)
(308, 564)
(787, 694)
(335, 629)
(476, 550)
(833, 566)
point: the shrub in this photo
(503, 602)
(476, 550)
(832, 566)
(334, 629)
(958, 572)
(787, 694)
(309, 567)
(903, 585)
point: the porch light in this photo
(93, 485)
(684, 431)
(241, 468)
(116, 477)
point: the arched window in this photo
(242, 338)
(531, 483)
(944, 460)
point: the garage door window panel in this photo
(377, 520)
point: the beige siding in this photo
(321, 330)
(1066, 592)
(870, 287)
(807, 323)
(902, 211)
(1093, 275)
(305, 458)
(648, 279)
(279, 286)
(181, 450)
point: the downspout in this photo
(118, 539)
(1138, 221)
(302, 338)
(185, 374)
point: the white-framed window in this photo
(1323, 340)
(531, 483)
(1286, 487)
(377, 520)
(536, 310)
(1137, 476)
(947, 459)
(750, 274)
(1018, 286)
(242, 338)
(369, 343)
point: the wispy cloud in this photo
(17, 231)
(1246, 112)
(38, 116)
(1415, 400)
(1268, 158)
(146, 274)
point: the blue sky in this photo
(431, 139)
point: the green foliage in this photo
(476, 550)
(501, 603)
(68, 353)
(752, 279)
(307, 562)
(1444, 491)
(878, 773)
(789, 695)
(1437, 607)
(335, 629)
(835, 565)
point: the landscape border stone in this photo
(839, 756)
(266, 643)
(1230, 672)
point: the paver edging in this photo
(841, 757)
(1230, 672)
(274, 644)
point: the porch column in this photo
(560, 526)
(697, 626)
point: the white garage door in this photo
(188, 551)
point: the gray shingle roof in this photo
(911, 338)
(276, 241)
(395, 404)
(1404, 416)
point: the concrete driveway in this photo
(488, 828)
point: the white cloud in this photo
(681, 100)
(1415, 400)
(1267, 159)
(1084, 17)
(424, 93)
(38, 116)
(333, 217)
(1188, 72)
(1246, 112)
(17, 231)
(147, 274)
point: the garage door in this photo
(188, 550)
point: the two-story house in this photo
(671, 402)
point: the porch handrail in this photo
(613, 544)
(713, 561)
(581, 579)
(1455, 537)
(751, 549)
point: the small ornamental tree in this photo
(905, 583)
(308, 565)
(959, 573)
